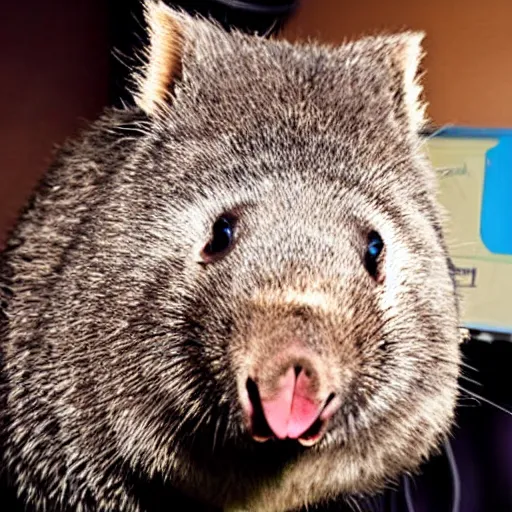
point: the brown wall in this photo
(468, 44)
(54, 64)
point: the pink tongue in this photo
(290, 413)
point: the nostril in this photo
(258, 424)
(252, 391)
(304, 370)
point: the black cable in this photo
(261, 8)
(456, 486)
(408, 494)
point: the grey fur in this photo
(122, 353)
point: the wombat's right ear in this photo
(163, 57)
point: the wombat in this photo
(235, 294)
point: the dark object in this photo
(262, 16)
(127, 34)
(221, 240)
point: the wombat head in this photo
(265, 277)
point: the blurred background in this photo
(62, 62)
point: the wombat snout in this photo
(289, 396)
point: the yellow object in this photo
(484, 278)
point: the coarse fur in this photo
(124, 354)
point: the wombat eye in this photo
(374, 248)
(221, 239)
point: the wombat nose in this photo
(290, 404)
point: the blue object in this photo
(496, 213)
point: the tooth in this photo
(309, 442)
(259, 439)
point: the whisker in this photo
(461, 363)
(438, 131)
(486, 400)
(473, 381)
(355, 328)
(216, 433)
(354, 504)
(461, 405)
(469, 367)
(455, 245)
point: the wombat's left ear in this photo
(163, 56)
(406, 52)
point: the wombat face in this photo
(314, 292)
(280, 239)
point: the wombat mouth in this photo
(261, 432)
